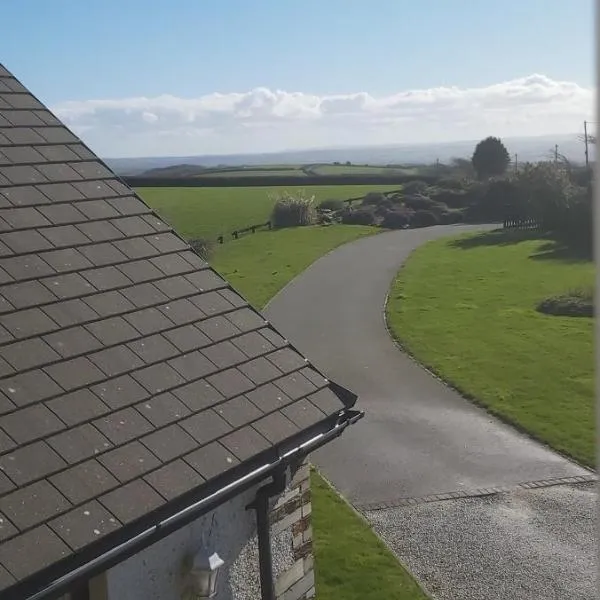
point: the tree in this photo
(490, 158)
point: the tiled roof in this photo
(130, 372)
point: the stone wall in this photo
(291, 515)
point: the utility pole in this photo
(555, 153)
(516, 163)
(585, 135)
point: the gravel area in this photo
(525, 544)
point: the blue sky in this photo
(70, 52)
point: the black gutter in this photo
(193, 511)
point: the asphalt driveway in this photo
(420, 439)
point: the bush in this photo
(451, 198)
(374, 198)
(293, 210)
(332, 204)
(414, 187)
(399, 218)
(452, 216)
(358, 216)
(424, 218)
(577, 303)
(419, 202)
(203, 248)
(451, 184)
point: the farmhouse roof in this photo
(133, 379)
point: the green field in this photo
(363, 170)
(203, 212)
(466, 309)
(272, 172)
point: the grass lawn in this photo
(204, 212)
(465, 307)
(352, 563)
(260, 264)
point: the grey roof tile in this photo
(27, 293)
(198, 395)
(170, 442)
(33, 504)
(212, 460)
(27, 322)
(119, 392)
(276, 427)
(29, 353)
(163, 409)
(245, 443)
(238, 411)
(84, 524)
(106, 278)
(174, 479)
(70, 312)
(29, 387)
(123, 426)
(66, 235)
(192, 365)
(76, 407)
(171, 264)
(149, 320)
(67, 259)
(72, 341)
(74, 373)
(30, 423)
(99, 231)
(114, 332)
(153, 348)
(116, 360)
(70, 285)
(30, 552)
(28, 463)
(140, 270)
(129, 461)
(131, 501)
(187, 337)
(86, 480)
(24, 195)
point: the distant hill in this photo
(528, 149)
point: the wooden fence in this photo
(252, 228)
(521, 223)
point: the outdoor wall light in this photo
(203, 575)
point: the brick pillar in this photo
(292, 513)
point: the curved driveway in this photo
(419, 437)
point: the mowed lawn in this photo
(466, 309)
(204, 212)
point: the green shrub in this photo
(451, 198)
(359, 216)
(374, 198)
(398, 218)
(424, 218)
(203, 247)
(449, 183)
(332, 204)
(419, 202)
(414, 187)
(293, 210)
(576, 303)
(452, 216)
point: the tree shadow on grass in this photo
(551, 249)
(497, 237)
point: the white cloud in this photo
(263, 120)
